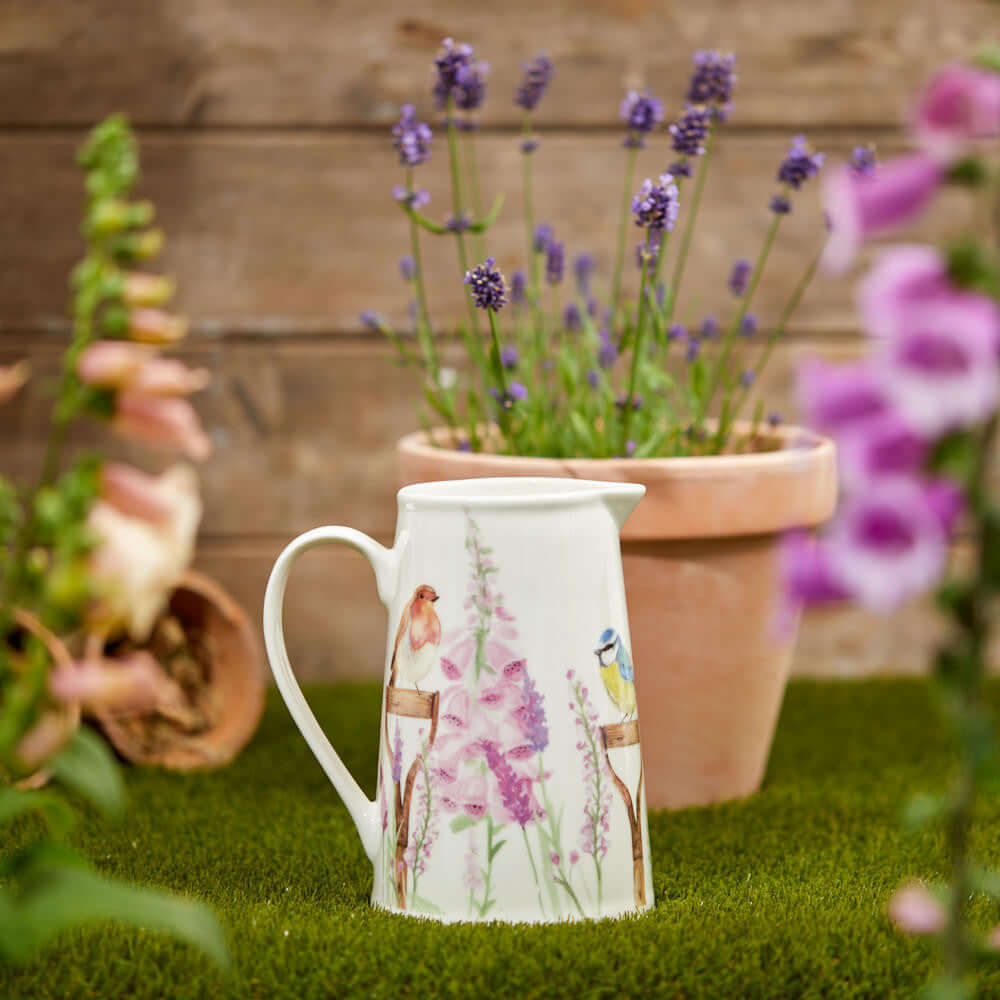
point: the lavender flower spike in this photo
(862, 160)
(655, 207)
(486, 282)
(411, 138)
(555, 262)
(469, 90)
(450, 59)
(543, 236)
(583, 267)
(641, 113)
(799, 165)
(538, 74)
(690, 131)
(712, 81)
(739, 277)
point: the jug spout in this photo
(621, 499)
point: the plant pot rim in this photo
(715, 496)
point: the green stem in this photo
(499, 375)
(640, 324)
(456, 208)
(534, 869)
(425, 332)
(685, 247)
(626, 207)
(472, 169)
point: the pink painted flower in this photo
(493, 696)
(471, 795)
(450, 669)
(514, 670)
(521, 752)
(939, 363)
(455, 707)
(136, 562)
(860, 206)
(160, 423)
(901, 277)
(915, 911)
(887, 544)
(833, 396)
(503, 614)
(574, 856)
(960, 106)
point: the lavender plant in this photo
(89, 554)
(916, 429)
(560, 370)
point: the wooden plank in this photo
(298, 234)
(620, 734)
(303, 62)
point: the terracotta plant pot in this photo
(700, 557)
(221, 709)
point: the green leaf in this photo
(986, 880)
(56, 812)
(56, 898)
(956, 456)
(970, 172)
(971, 266)
(460, 823)
(495, 849)
(988, 57)
(922, 809)
(88, 767)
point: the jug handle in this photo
(383, 562)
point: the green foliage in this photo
(972, 265)
(87, 766)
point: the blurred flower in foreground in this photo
(914, 910)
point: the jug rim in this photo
(512, 492)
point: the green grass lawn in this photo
(779, 896)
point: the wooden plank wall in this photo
(264, 129)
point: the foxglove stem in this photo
(456, 207)
(719, 367)
(776, 334)
(684, 248)
(472, 170)
(637, 345)
(616, 285)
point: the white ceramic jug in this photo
(510, 776)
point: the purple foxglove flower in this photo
(712, 81)
(833, 396)
(412, 199)
(408, 268)
(902, 276)
(862, 160)
(543, 237)
(882, 445)
(641, 113)
(555, 262)
(572, 320)
(887, 543)
(864, 205)
(538, 74)
(689, 132)
(739, 277)
(655, 207)
(450, 59)
(486, 282)
(748, 326)
(411, 138)
(780, 205)
(799, 164)
(960, 105)
(583, 268)
(807, 574)
(469, 89)
(947, 501)
(939, 363)
(509, 357)
(518, 287)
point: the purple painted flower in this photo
(833, 396)
(414, 199)
(689, 132)
(939, 363)
(887, 544)
(509, 357)
(411, 138)
(450, 669)
(531, 716)
(748, 325)
(641, 113)
(780, 204)
(583, 268)
(371, 321)
(739, 277)
(712, 81)
(486, 282)
(469, 89)
(655, 207)
(593, 840)
(451, 58)
(514, 790)
(518, 287)
(555, 262)
(799, 165)
(862, 160)
(864, 205)
(408, 268)
(960, 105)
(543, 237)
(538, 74)
(397, 756)
(572, 320)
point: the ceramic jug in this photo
(509, 781)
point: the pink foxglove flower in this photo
(134, 493)
(807, 571)
(111, 363)
(160, 423)
(960, 105)
(834, 396)
(156, 326)
(887, 544)
(902, 276)
(168, 377)
(883, 445)
(914, 910)
(860, 206)
(137, 563)
(939, 363)
(132, 683)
